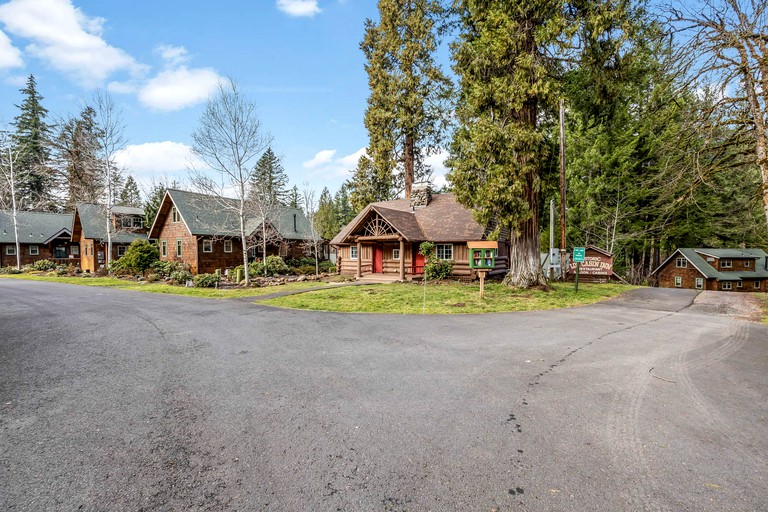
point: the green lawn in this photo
(448, 298)
(764, 302)
(210, 293)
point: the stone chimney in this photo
(421, 194)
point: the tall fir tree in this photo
(130, 194)
(77, 154)
(294, 197)
(326, 220)
(408, 102)
(270, 177)
(33, 140)
(367, 186)
(342, 206)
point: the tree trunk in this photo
(243, 243)
(525, 260)
(409, 163)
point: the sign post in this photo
(578, 258)
(482, 258)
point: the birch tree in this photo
(10, 156)
(228, 140)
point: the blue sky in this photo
(298, 60)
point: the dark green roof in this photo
(34, 227)
(209, 215)
(697, 258)
(93, 219)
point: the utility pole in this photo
(562, 189)
(551, 239)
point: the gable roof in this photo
(34, 227)
(442, 220)
(208, 215)
(93, 220)
(694, 256)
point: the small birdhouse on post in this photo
(482, 257)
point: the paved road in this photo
(116, 400)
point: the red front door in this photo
(418, 261)
(378, 259)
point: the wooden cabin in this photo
(384, 238)
(741, 270)
(89, 231)
(42, 236)
(202, 231)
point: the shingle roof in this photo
(93, 219)
(34, 227)
(209, 215)
(442, 220)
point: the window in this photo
(178, 247)
(747, 263)
(739, 284)
(726, 285)
(59, 252)
(175, 217)
(756, 285)
(444, 251)
(10, 250)
(34, 250)
(137, 222)
(681, 263)
(678, 282)
(353, 252)
(227, 245)
(699, 283)
(164, 248)
(74, 250)
(207, 245)
(120, 251)
(126, 222)
(726, 263)
(395, 254)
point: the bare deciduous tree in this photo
(9, 156)
(314, 244)
(228, 140)
(263, 206)
(727, 42)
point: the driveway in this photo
(117, 400)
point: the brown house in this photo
(384, 238)
(744, 270)
(89, 231)
(42, 236)
(202, 232)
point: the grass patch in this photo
(763, 298)
(208, 293)
(446, 298)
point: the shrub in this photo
(166, 268)
(274, 266)
(9, 270)
(433, 267)
(180, 276)
(327, 266)
(305, 270)
(139, 256)
(151, 278)
(43, 265)
(206, 280)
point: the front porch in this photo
(386, 258)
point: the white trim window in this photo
(678, 282)
(34, 250)
(756, 285)
(138, 222)
(227, 245)
(179, 246)
(175, 217)
(126, 222)
(747, 263)
(10, 250)
(74, 250)
(164, 248)
(444, 251)
(739, 284)
(353, 252)
(726, 285)
(207, 245)
(726, 263)
(120, 251)
(699, 284)
(681, 262)
(396, 254)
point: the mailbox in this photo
(482, 254)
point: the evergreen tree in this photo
(270, 177)
(367, 185)
(407, 106)
(33, 140)
(294, 197)
(326, 220)
(342, 206)
(77, 153)
(129, 194)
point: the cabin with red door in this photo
(384, 238)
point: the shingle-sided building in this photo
(385, 237)
(42, 236)
(202, 231)
(715, 269)
(89, 230)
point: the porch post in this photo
(402, 259)
(359, 259)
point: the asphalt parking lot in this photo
(115, 400)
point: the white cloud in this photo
(321, 158)
(67, 39)
(172, 55)
(175, 89)
(10, 56)
(298, 7)
(154, 159)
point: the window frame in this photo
(208, 246)
(36, 251)
(74, 250)
(126, 222)
(740, 284)
(396, 253)
(747, 264)
(699, 283)
(444, 247)
(756, 284)
(121, 250)
(353, 252)
(164, 248)
(227, 245)
(724, 287)
(10, 250)
(726, 263)
(179, 248)
(175, 217)
(681, 262)
(678, 281)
